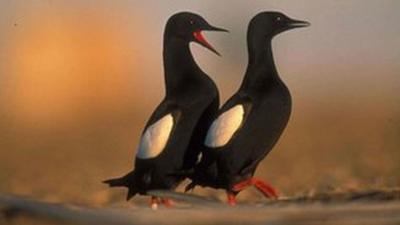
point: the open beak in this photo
(298, 23)
(198, 36)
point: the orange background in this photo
(79, 79)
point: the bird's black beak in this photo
(199, 38)
(297, 24)
(212, 28)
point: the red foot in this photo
(231, 198)
(266, 189)
(155, 201)
(167, 202)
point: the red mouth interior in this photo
(200, 38)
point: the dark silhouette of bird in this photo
(172, 137)
(250, 123)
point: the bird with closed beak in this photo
(250, 123)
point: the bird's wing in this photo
(158, 130)
(228, 122)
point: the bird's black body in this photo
(266, 102)
(191, 99)
(266, 116)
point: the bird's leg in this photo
(266, 189)
(231, 196)
(242, 185)
(167, 202)
(154, 202)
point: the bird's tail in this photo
(124, 181)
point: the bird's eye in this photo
(278, 18)
(191, 22)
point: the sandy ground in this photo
(366, 207)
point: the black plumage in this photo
(191, 100)
(262, 105)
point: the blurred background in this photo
(78, 80)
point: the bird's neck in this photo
(261, 70)
(179, 64)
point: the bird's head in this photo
(269, 24)
(188, 27)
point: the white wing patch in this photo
(155, 138)
(223, 128)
